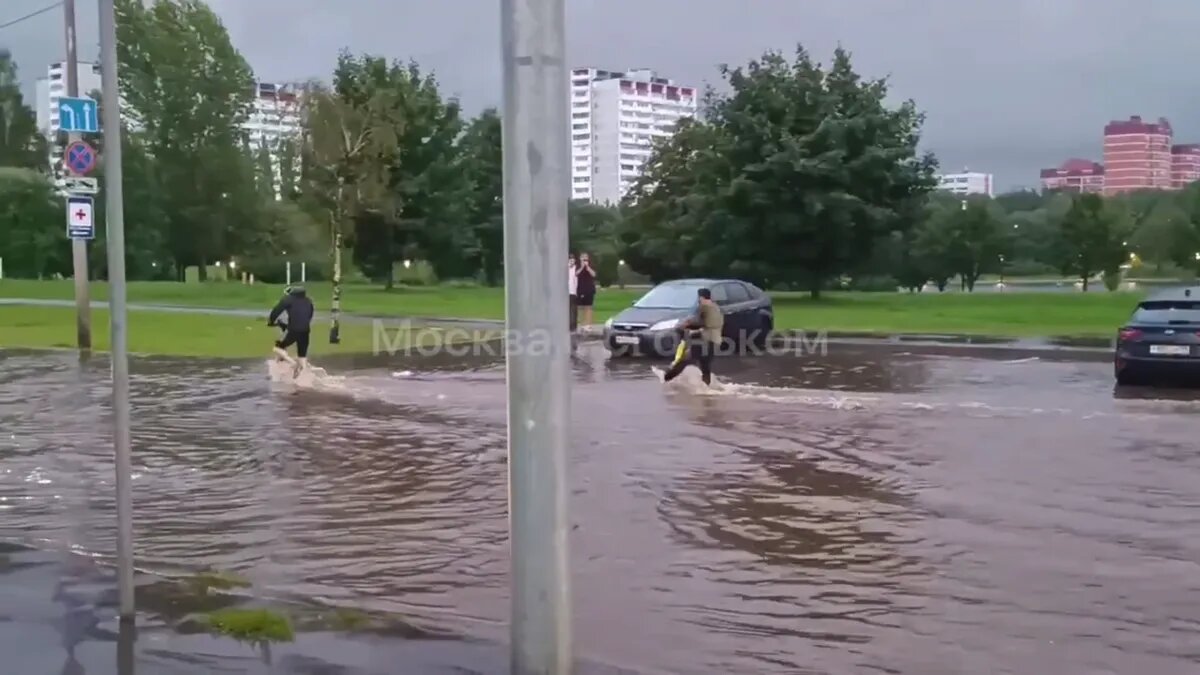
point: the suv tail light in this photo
(1127, 334)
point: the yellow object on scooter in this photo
(680, 352)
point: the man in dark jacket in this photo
(299, 320)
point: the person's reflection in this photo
(706, 410)
(79, 618)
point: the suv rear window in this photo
(1168, 311)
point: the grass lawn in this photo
(179, 334)
(1011, 314)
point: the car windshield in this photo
(669, 296)
(1168, 311)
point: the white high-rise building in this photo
(615, 119)
(967, 183)
(274, 118)
(54, 87)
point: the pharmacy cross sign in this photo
(80, 221)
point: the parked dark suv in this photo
(1162, 338)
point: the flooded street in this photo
(868, 511)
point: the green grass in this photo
(415, 301)
(998, 314)
(178, 334)
(255, 626)
(1010, 314)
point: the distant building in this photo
(1185, 165)
(1137, 155)
(275, 117)
(615, 118)
(1075, 175)
(967, 183)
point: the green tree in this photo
(1163, 233)
(288, 169)
(147, 254)
(481, 150)
(264, 172)
(189, 91)
(593, 229)
(32, 230)
(21, 145)
(346, 154)
(428, 190)
(805, 169)
(1092, 237)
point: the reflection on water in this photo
(865, 511)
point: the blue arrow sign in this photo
(78, 115)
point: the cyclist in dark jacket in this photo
(299, 321)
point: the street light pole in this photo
(536, 191)
(115, 223)
(79, 259)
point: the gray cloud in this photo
(1009, 86)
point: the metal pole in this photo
(115, 203)
(83, 307)
(536, 191)
(304, 273)
(289, 273)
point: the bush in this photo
(874, 284)
(418, 273)
(1030, 268)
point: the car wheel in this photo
(762, 336)
(1124, 377)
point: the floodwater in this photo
(871, 510)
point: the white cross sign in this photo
(80, 223)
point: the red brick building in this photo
(1137, 155)
(1185, 165)
(1075, 175)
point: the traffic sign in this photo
(78, 185)
(80, 158)
(78, 115)
(80, 222)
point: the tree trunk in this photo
(335, 308)
(1084, 279)
(389, 280)
(202, 270)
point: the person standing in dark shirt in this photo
(296, 329)
(585, 288)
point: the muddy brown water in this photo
(866, 511)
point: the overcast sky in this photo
(1009, 86)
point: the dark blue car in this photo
(1161, 339)
(650, 326)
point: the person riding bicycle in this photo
(296, 328)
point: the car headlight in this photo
(608, 323)
(669, 324)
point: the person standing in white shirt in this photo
(572, 286)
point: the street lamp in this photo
(407, 264)
(1001, 272)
